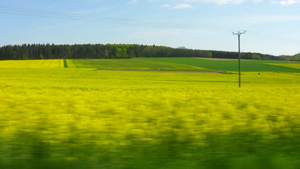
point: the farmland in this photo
(231, 65)
(130, 64)
(79, 117)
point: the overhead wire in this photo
(126, 21)
(272, 37)
(61, 15)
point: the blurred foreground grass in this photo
(76, 118)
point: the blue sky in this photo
(272, 27)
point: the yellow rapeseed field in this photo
(49, 63)
(118, 119)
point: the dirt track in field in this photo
(228, 59)
(216, 59)
(161, 71)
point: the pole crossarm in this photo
(238, 33)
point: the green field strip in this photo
(289, 65)
(133, 64)
(76, 63)
(158, 64)
(65, 63)
(229, 65)
(72, 63)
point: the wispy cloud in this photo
(219, 2)
(286, 2)
(182, 6)
(166, 6)
(133, 1)
(90, 11)
(223, 2)
(178, 6)
(271, 18)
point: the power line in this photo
(126, 21)
(93, 18)
(272, 37)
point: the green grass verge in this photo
(65, 63)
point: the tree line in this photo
(114, 51)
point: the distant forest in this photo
(116, 51)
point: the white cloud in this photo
(183, 6)
(286, 2)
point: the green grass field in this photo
(78, 117)
(185, 64)
(232, 65)
(130, 64)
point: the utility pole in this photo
(239, 38)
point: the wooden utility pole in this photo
(239, 39)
